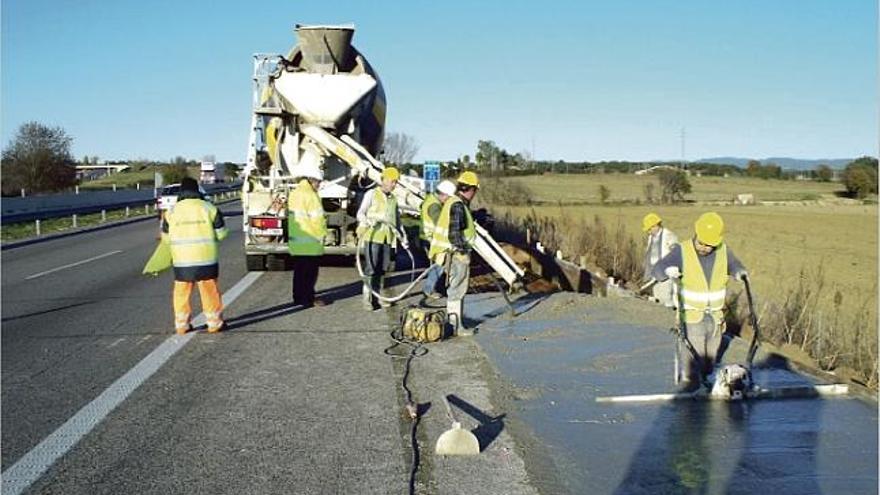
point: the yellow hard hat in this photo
(469, 178)
(710, 229)
(650, 220)
(390, 173)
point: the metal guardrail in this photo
(31, 216)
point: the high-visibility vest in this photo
(306, 225)
(383, 215)
(697, 296)
(191, 233)
(440, 243)
(426, 230)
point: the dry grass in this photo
(813, 268)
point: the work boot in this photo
(367, 299)
(183, 330)
(217, 329)
(387, 294)
(464, 332)
(454, 314)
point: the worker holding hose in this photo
(378, 232)
(704, 264)
(454, 237)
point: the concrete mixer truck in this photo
(321, 104)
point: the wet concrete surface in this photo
(568, 349)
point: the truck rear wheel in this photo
(276, 262)
(255, 262)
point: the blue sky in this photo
(580, 80)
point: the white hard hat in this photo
(446, 187)
(309, 166)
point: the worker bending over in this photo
(430, 213)
(703, 264)
(454, 237)
(660, 242)
(306, 228)
(378, 220)
(193, 228)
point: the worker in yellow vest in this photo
(378, 233)
(193, 228)
(306, 228)
(704, 264)
(430, 213)
(454, 237)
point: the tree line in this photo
(38, 159)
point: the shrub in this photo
(860, 177)
(173, 174)
(604, 193)
(674, 185)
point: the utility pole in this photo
(532, 165)
(682, 148)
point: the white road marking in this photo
(115, 342)
(18, 477)
(93, 258)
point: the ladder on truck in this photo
(358, 158)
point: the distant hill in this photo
(785, 163)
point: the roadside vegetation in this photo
(19, 231)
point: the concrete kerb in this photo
(458, 368)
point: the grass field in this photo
(128, 179)
(830, 248)
(584, 188)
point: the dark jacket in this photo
(457, 224)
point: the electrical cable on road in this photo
(415, 350)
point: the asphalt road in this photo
(286, 401)
(68, 334)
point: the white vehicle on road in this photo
(166, 198)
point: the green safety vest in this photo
(440, 242)
(428, 225)
(697, 296)
(383, 214)
(191, 233)
(306, 224)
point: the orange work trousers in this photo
(212, 304)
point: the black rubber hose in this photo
(753, 347)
